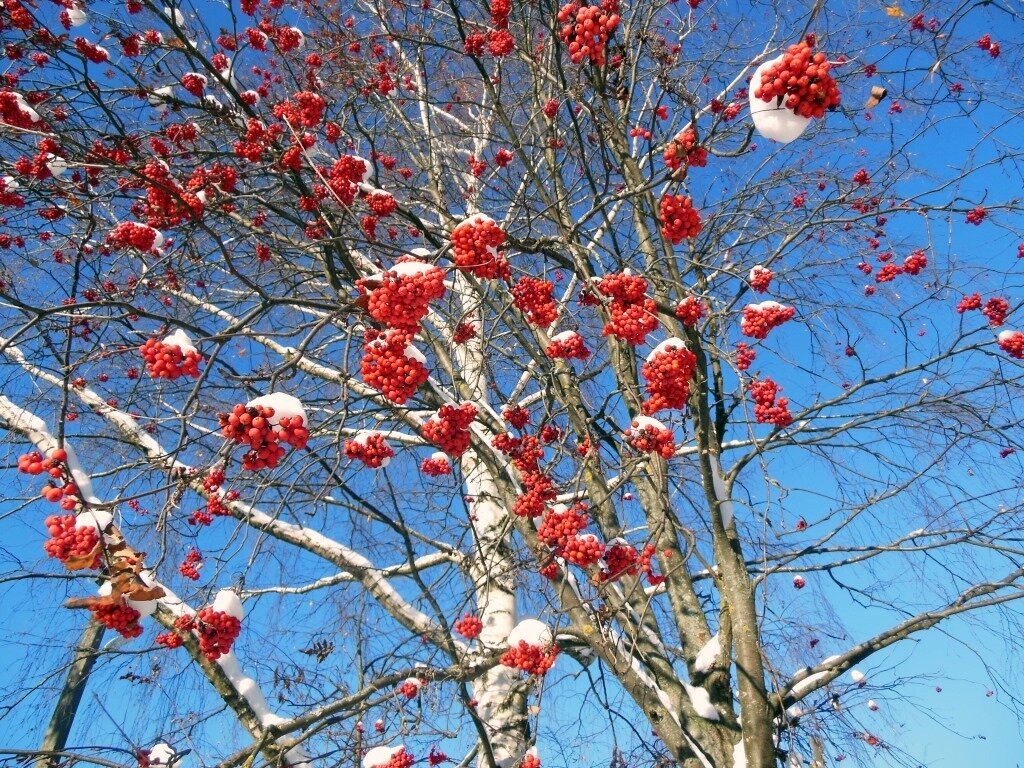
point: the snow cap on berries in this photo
(773, 121)
(227, 602)
(284, 405)
(532, 632)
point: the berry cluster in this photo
(968, 303)
(257, 426)
(130, 234)
(1012, 343)
(651, 436)
(667, 372)
(400, 759)
(170, 358)
(169, 640)
(526, 453)
(744, 356)
(448, 429)
(33, 463)
(985, 43)
(586, 29)
(768, 410)
(690, 310)
(915, 262)
(475, 244)
(799, 582)
(996, 309)
(435, 465)
(685, 150)
(561, 523)
(633, 315)
(568, 345)
(190, 566)
(217, 631)
(370, 448)
(976, 216)
(392, 366)
(620, 559)
(679, 219)
(405, 293)
(410, 687)
(533, 297)
(517, 416)
(801, 80)
(531, 659)
(120, 617)
(345, 176)
(582, 550)
(469, 626)
(530, 760)
(70, 542)
(214, 508)
(760, 319)
(760, 278)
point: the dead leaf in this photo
(895, 11)
(140, 592)
(877, 94)
(78, 562)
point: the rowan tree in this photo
(502, 382)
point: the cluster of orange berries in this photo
(568, 345)
(633, 315)
(561, 524)
(217, 631)
(531, 659)
(371, 449)
(167, 361)
(469, 626)
(129, 234)
(120, 617)
(760, 278)
(586, 29)
(68, 539)
(690, 310)
(449, 428)
(667, 372)
(533, 297)
(405, 293)
(650, 436)
(392, 366)
(684, 149)
(802, 80)
(436, 465)
(1012, 342)
(254, 425)
(679, 219)
(768, 409)
(760, 319)
(475, 244)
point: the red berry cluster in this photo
(392, 366)
(129, 234)
(968, 303)
(744, 356)
(531, 659)
(254, 425)
(888, 273)
(120, 617)
(190, 566)
(760, 319)
(69, 540)
(500, 9)
(217, 631)
(760, 278)
(436, 465)
(33, 463)
(371, 449)
(409, 688)
(915, 262)
(530, 761)
(768, 410)
(620, 559)
(214, 508)
(401, 759)
(985, 43)
(976, 216)
(169, 640)
(684, 150)
(550, 570)
(475, 244)
(586, 29)
(690, 310)
(449, 428)
(650, 436)
(469, 626)
(667, 372)
(533, 297)
(526, 453)
(633, 315)
(996, 309)
(463, 333)
(679, 219)
(194, 83)
(166, 361)
(66, 495)
(404, 295)
(345, 176)
(516, 416)
(582, 550)
(801, 80)
(568, 345)
(1012, 342)
(560, 524)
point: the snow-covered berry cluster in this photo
(915, 262)
(130, 234)
(651, 436)
(690, 310)
(679, 219)
(266, 428)
(760, 278)
(469, 626)
(190, 566)
(533, 297)
(561, 523)
(410, 687)
(120, 617)
(685, 150)
(392, 366)
(529, 658)
(568, 345)
(475, 244)
(370, 448)
(667, 372)
(345, 176)
(801, 80)
(768, 409)
(448, 429)
(1012, 343)
(171, 357)
(632, 314)
(530, 759)
(586, 29)
(436, 464)
(72, 540)
(404, 295)
(760, 319)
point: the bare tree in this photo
(429, 334)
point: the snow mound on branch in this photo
(645, 422)
(411, 268)
(701, 701)
(178, 16)
(532, 632)
(227, 602)
(94, 518)
(1006, 335)
(774, 121)
(24, 107)
(708, 655)
(379, 756)
(739, 755)
(411, 353)
(76, 16)
(857, 675)
(666, 346)
(284, 405)
(161, 754)
(179, 338)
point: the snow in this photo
(380, 756)
(411, 353)
(872, 705)
(94, 518)
(212, 101)
(764, 305)
(421, 253)
(178, 16)
(701, 701)
(181, 340)
(411, 268)
(284, 405)
(531, 631)
(476, 218)
(857, 675)
(302, 39)
(77, 16)
(1007, 335)
(198, 75)
(795, 760)
(771, 121)
(160, 96)
(708, 655)
(24, 107)
(55, 164)
(666, 346)
(439, 456)
(161, 754)
(725, 505)
(739, 755)
(564, 336)
(642, 422)
(11, 183)
(227, 602)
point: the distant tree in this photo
(542, 386)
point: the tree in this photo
(431, 335)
